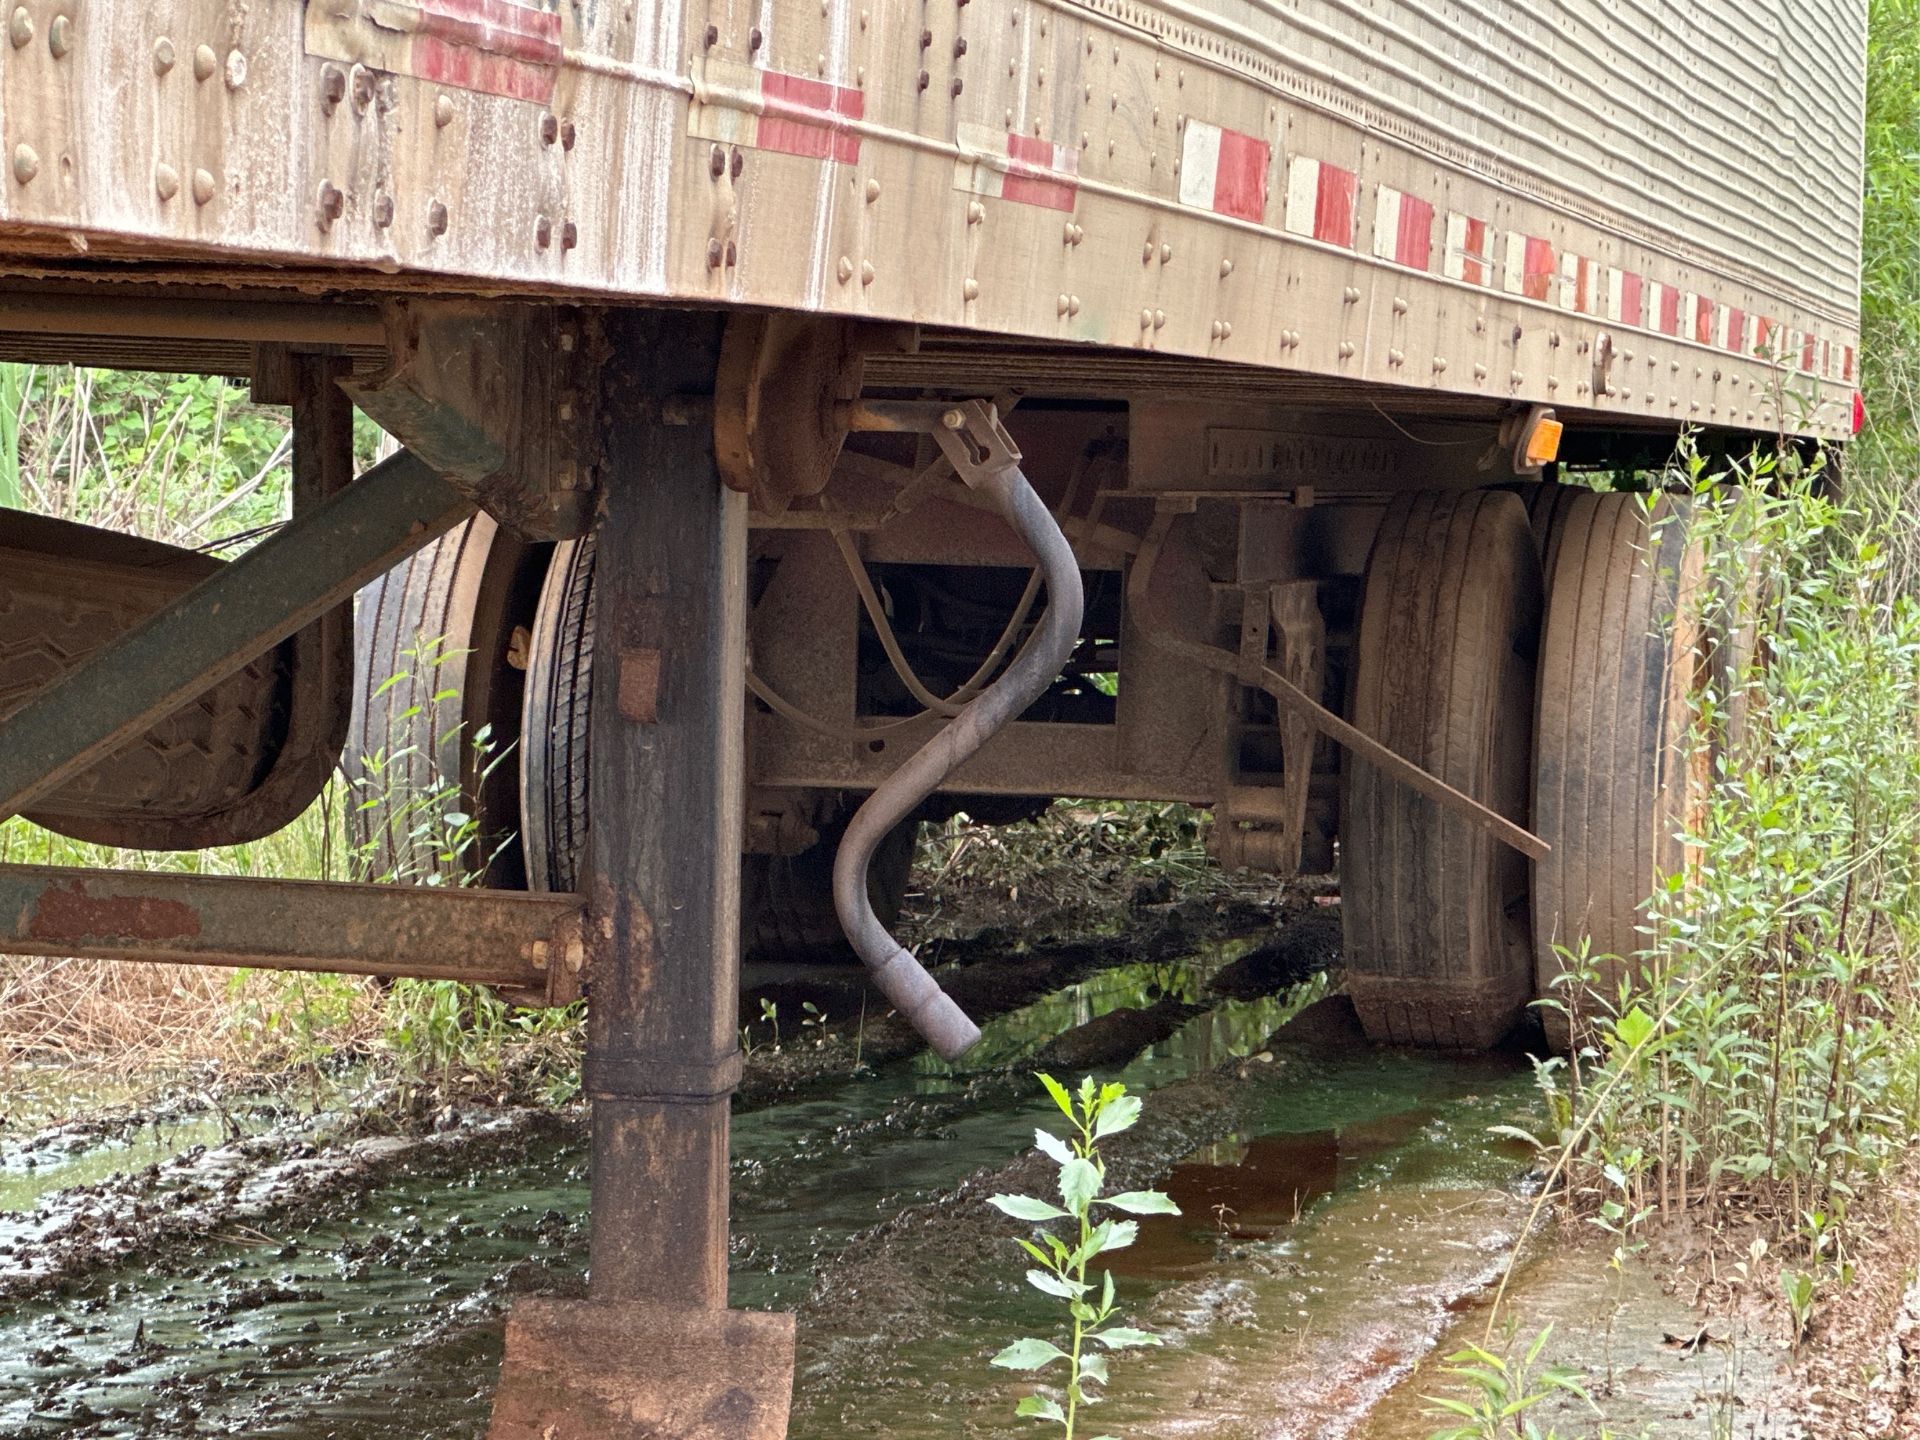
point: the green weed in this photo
(1096, 1113)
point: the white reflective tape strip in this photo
(1303, 195)
(1199, 164)
(1513, 274)
(1386, 223)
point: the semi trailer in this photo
(812, 418)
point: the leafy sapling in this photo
(1094, 1114)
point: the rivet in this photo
(1159, 318)
(60, 37)
(333, 204)
(976, 212)
(733, 255)
(1517, 333)
(1479, 372)
(926, 39)
(959, 47)
(1479, 325)
(1226, 268)
(712, 36)
(971, 289)
(333, 87)
(569, 235)
(1216, 330)
(166, 181)
(202, 186)
(866, 272)
(550, 131)
(1073, 304)
(162, 55)
(205, 62)
(956, 87)
(26, 164)
(1439, 365)
(925, 79)
(713, 254)
(846, 269)
(1346, 349)
(734, 166)
(1553, 382)
(1399, 306)
(1146, 319)
(1146, 253)
(542, 231)
(1166, 253)
(442, 111)
(754, 39)
(1060, 305)
(1553, 339)
(873, 191)
(20, 28)
(1513, 378)
(236, 70)
(436, 218)
(383, 210)
(1350, 296)
(568, 134)
(1396, 357)
(362, 86)
(716, 162)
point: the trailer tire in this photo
(786, 901)
(1436, 915)
(434, 665)
(1614, 777)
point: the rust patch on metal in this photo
(72, 914)
(640, 686)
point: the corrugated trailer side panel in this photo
(1644, 209)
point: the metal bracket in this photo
(500, 399)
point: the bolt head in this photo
(202, 186)
(442, 111)
(26, 163)
(163, 56)
(20, 28)
(60, 37)
(436, 218)
(954, 419)
(205, 62)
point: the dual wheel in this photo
(468, 754)
(1532, 651)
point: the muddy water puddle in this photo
(1327, 1243)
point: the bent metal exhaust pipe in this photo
(986, 458)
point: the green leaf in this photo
(1042, 1407)
(1059, 1094)
(1053, 1147)
(1122, 1337)
(1093, 1366)
(1079, 1183)
(1035, 1251)
(1142, 1202)
(1028, 1354)
(1120, 1234)
(1050, 1284)
(1120, 1115)
(1633, 1029)
(1026, 1207)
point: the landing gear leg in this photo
(654, 1351)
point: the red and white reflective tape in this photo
(1320, 201)
(1529, 266)
(497, 47)
(1223, 171)
(1022, 168)
(1402, 228)
(1469, 252)
(1626, 298)
(1579, 284)
(771, 110)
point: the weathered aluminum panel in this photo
(1608, 205)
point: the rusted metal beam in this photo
(299, 323)
(491, 937)
(275, 589)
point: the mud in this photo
(1309, 946)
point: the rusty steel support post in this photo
(654, 1352)
(663, 1048)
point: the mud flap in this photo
(597, 1370)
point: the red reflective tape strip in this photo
(1333, 205)
(492, 46)
(1240, 177)
(1703, 320)
(1807, 344)
(1473, 265)
(1413, 243)
(1035, 173)
(1846, 365)
(1669, 310)
(1536, 269)
(1736, 329)
(808, 117)
(1632, 299)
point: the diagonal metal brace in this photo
(275, 589)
